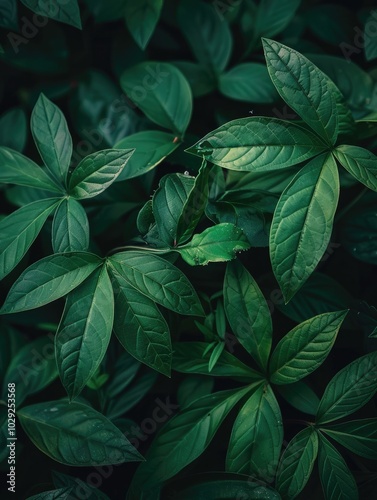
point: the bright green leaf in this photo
(75, 434)
(305, 348)
(247, 312)
(49, 279)
(84, 331)
(302, 223)
(141, 19)
(70, 227)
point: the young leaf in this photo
(258, 144)
(208, 35)
(167, 203)
(194, 205)
(141, 19)
(17, 169)
(19, 230)
(257, 436)
(49, 279)
(161, 92)
(336, 478)
(151, 148)
(248, 82)
(97, 172)
(76, 434)
(141, 328)
(215, 244)
(300, 396)
(32, 369)
(360, 163)
(191, 357)
(302, 223)
(70, 227)
(296, 463)
(158, 279)
(67, 12)
(52, 137)
(215, 355)
(247, 312)
(350, 389)
(304, 88)
(359, 436)
(305, 348)
(184, 438)
(84, 331)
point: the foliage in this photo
(185, 280)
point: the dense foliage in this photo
(187, 239)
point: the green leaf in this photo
(247, 312)
(49, 279)
(97, 172)
(66, 11)
(52, 137)
(158, 279)
(191, 357)
(59, 494)
(336, 478)
(304, 88)
(302, 223)
(258, 143)
(350, 389)
(184, 438)
(84, 331)
(141, 328)
(360, 163)
(8, 14)
(192, 388)
(70, 227)
(207, 34)
(194, 205)
(13, 129)
(300, 396)
(32, 369)
(151, 148)
(17, 169)
(79, 487)
(257, 436)
(273, 16)
(296, 463)
(161, 92)
(141, 19)
(359, 436)
(369, 38)
(19, 230)
(168, 202)
(75, 434)
(305, 348)
(202, 81)
(215, 244)
(248, 82)
(215, 355)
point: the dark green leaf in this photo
(359, 436)
(13, 129)
(8, 14)
(192, 388)
(304, 88)
(66, 11)
(51, 136)
(257, 436)
(158, 279)
(200, 78)
(302, 223)
(151, 148)
(70, 228)
(141, 19)
(19, 230)
(59, 494)
(75, 434)
(49, 279)
(350, 389)
(247, 312)
(300, 396)
(360, 163)
(336, 478)
(273, 16)
(84, 331)
(258, 143)
(161, 92)
(141, 328)
(369, 40)
(215, 244)
(296, 464)
(305, 348)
